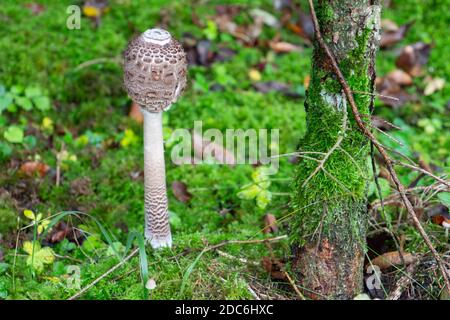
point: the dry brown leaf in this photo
(388, 25)
(32, 168)
(273, 267)
(304, 27)
(391, 86)
(413, 58)
(180, 191)
(135, 113)
(391, 37)
(400, 77)
(221, 154)
(284, 47)
(270, 223)
(392, 258)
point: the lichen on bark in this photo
(329, 227)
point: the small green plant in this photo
(258, 189)
(12, 101)
(42, 224)
(25, 98)
(38, 257)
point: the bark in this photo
(329, 229)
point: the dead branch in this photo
(404, 281)
(425, 172)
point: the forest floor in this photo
(71, 156)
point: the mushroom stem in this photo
(157, 228)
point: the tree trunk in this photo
(328, 234)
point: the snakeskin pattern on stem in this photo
(157, 228)
(155, 70)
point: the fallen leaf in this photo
(391, 88)
(413, 58)
(204, 147)
(265, 16)
(273, 267)
(135, 113)
(440, 212)
(400, 77)
(59, 233)
(284, 47)
(283, 88)
(304, 27)
(270, 224)
(391, 37)
(392, 258)
(32, 168)
(396, 98)
(388, 25)
(224, 54)
(204, 53)
(382, 124)
(180, 191)
(433, 85)
(63, 231)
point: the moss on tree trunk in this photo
(329, 228)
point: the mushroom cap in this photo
(154, 70)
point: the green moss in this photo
(325, 12)
(340, 194)
(8, 216)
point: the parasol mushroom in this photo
(155, 76)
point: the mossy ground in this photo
(40, 50)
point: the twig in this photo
(286, 274)
(352, 159)
(115, 60)
(252, 292)
(226, 242)
(404, 281)
(389, 124)
(229, 256)
(389, 136)
(392, 199)
(426, 172)
(93, 283)
(371, 137)
(377, 94)
(58, 165)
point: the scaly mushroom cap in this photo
(155, 70)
